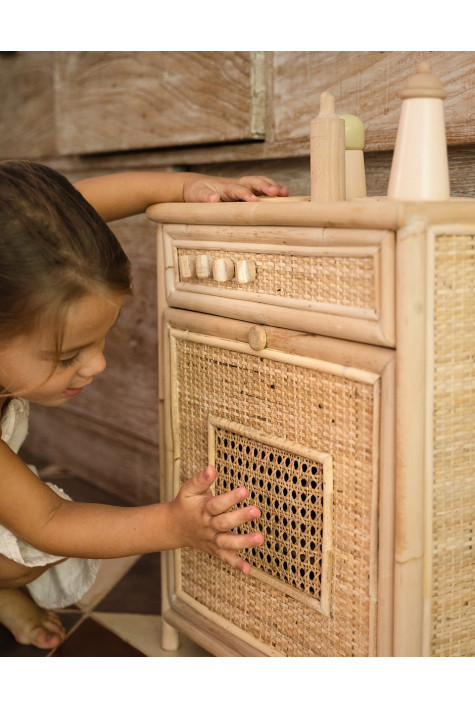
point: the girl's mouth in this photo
(75, 391)
(72, 391)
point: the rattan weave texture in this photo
(348, 281)
(453, 517)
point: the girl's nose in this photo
(94, 364)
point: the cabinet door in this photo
(299, 420)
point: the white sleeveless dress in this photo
(63, 584)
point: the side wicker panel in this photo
(276, 399)
(453, 501)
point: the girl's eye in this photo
(64, 363)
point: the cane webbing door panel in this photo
(302, 431)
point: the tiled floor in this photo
(120, 615)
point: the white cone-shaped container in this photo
(420, 168)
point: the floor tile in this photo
(144, 632)
(110, 573)
(92, 639)
(138, 591)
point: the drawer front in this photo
(329, 281)
(303, 434)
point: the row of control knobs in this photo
(222, 270)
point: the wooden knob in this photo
(257, 338)
(223, 270)
(245, 271)
(204, 266)
(187, 267)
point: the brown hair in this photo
(54, 249)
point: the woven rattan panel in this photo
(323, 411)
(295, 494)
(453, 557)
(349, 281)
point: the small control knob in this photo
(257, 338)
(245, 271)
(223, 270)
(187, 266)
(204, 265)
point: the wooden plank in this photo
(27, 105)
(368, 85)
(109, 101)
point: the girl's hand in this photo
(201, 188)
(204, 521)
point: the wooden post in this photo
(327, 153)
(411, 362)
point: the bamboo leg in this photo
(170, 639)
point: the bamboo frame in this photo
(369, 213)
(411, 408)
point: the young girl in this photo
(63, 281)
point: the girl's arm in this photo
(196, 518)
(124, 194)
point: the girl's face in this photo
(28, 364)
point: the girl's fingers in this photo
(222, 502)
(231, 519)
(238, 541)
(227, 193)
(265, 185)
(235, 561)
(200, 483)
(238, 193)
(249, 187)
(200, 188)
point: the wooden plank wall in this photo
(224, 113)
